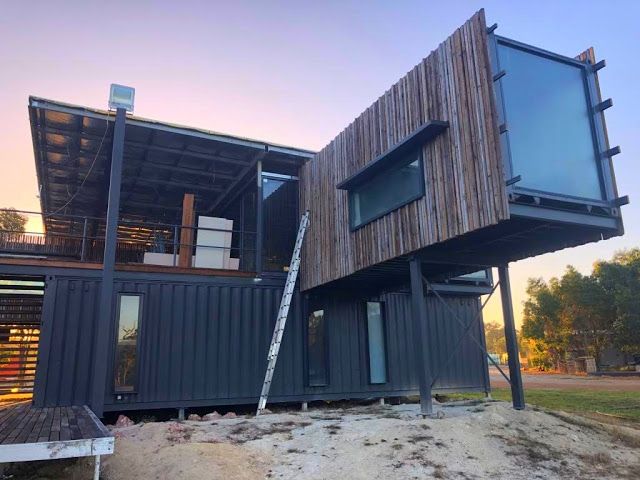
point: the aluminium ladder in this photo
(283, 313)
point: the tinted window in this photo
(316, 349)
(280, 211)
(387, 191)
(377, 347)
(549, 127)
(126, 348)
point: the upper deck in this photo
(192, 201)
(487, 152)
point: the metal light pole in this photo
(103, 338)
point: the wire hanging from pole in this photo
(88, 172)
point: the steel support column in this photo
(103, 335)
(517, 393)
(259, 221)
(419, 314)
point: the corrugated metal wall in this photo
(206, 343)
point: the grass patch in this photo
(621, 404)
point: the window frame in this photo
(118, 390)
(383, 318)
(325, 347)
(401, 161)
(292, 179)
(600, 144)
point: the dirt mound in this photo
(483, 439)
(169, 450)
(194, 461)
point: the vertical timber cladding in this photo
(463, 170)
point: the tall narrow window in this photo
(316, 349)
(129, 310)
(377, 347)
(280, 217)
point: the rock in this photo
(266, 411)
(229, 415)
(194, 417)
(440, 414)
(211, 416)
(124, 421)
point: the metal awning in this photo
(162, 162)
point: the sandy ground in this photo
(472, 441)
(560, 381)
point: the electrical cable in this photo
(88, 172)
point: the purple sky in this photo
(289, 72)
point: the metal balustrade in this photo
(81, 238)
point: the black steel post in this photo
(419, 314)
(175, 244)
(83, 251)
(103, 338)
(259, 226)
(517, 392)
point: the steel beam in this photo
(419, 316)
(222, 200)
(103, 336)
(517, 392)
(259, 220)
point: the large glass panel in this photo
(126, 348)
(387, 191)
(280, 214)
(479, 275)
(316, 349)
(377, 351)
(547, 115)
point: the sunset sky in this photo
(293, 72)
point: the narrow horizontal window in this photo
(377, 344)
(388, 190)
(318, 374)
(129, 309)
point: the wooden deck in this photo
(123, 267)
(29, 433)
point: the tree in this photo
(11, 220)
(494, 338)
(544, 324)
(620, 279)
(585, 308)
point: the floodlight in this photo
(121, 97)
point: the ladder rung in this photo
(283, 312)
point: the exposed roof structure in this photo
(162, 162)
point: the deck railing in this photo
(81, 238)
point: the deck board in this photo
(22, 422)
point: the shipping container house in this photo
(164, 250)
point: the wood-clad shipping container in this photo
(463, 171)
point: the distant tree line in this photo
(12, 221)
(584, 314)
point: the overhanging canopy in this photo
(162, 162)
